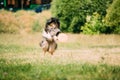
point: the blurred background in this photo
(87, 17)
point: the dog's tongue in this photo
(62, 37)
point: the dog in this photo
(50, 34)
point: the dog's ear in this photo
(56, 20)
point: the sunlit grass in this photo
(81, 57)
(15, 48)
(49, 71)
(22, 21)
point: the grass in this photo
(15, 49)
(48, 71)
(8, 70)
(12, 22)
(82, 57)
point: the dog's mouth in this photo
(55, 32)
(58, 33)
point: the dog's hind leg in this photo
(52, 47)
(45, 46)
(44, 53)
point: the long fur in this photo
(50, 33)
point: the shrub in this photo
(8, 23)
(117, 30)
(112, 18)
(94, 25)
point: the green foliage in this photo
(36, 26)
(117, 30)
(113, 16)
(93, 25)
(72, 13)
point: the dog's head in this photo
(53, 26)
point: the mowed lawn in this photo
(82, 57)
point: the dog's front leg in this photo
(47, 36)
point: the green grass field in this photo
(82, 57)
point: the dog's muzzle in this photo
(54, 32)
(57, 32)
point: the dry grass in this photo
(80, 48)
(101, 39)
(22, 21)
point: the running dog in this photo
(50, 34)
